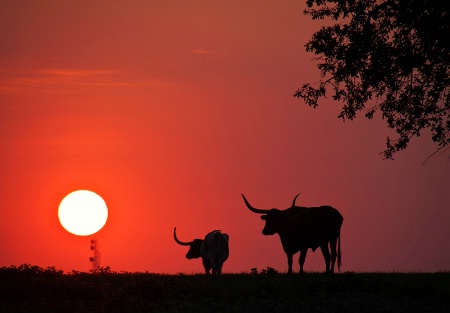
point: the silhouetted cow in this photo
(301, 228)
(213, 250)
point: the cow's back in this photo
(309, 227)
(215, 249)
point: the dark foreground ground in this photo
(32, 289)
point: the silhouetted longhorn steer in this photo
(213, 250)
(301, 228)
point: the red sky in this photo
(170, 110)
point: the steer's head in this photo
(194, 246)
(272, 217)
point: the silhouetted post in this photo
(95, 259)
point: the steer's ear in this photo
(264, 217)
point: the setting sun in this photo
(83, 212)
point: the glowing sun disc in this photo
(83, 212)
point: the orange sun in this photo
(83, 212)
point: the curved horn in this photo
(293, 202)
(259, 211)
(178, 241)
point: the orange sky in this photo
(170, 110)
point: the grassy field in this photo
(32, 289)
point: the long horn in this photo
(293, 202)
(178, 241)
(259, 211)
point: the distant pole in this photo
(95, 258)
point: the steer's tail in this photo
(218, 252)
(339, 254)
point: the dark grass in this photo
(33, 289)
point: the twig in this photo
(437, 150)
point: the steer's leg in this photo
(326, 256)
(218, 269)
(302, 259)
(289, 256)
(206, 265)
(333, 244)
